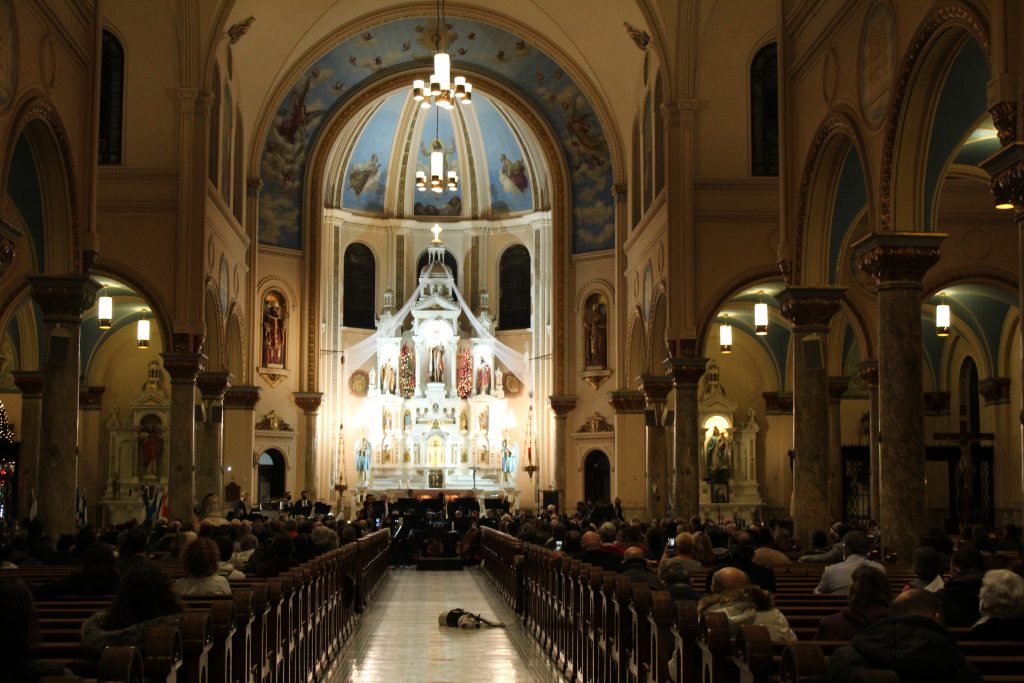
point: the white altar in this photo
(728, 466)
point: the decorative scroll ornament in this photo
(238, 30)
(595, 423)
(639, 37)
(272, 422)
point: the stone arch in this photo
(741, 282)
(915, 95)
(213, 319)
(637, 357)
(236, 359)
(656, 328)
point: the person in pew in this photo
(836, 578)
(634, 567)
(595, 554)
(928, 567)
(572, 544)
(741, 556)
(132, 550)
(226, 549)
(703, 550)
(685, 552)
(144, 599)
(827, 551)
(869, 604)
(200, 564)
(1001, 605)
(672, 572)
(960, 594)
(98, 576)
(19, 632)
(743, 604)
(246, 547)
(911, 641)
(768, 553)
(280, 557)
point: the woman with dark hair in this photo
(144, 599)
(19, 631)
(98, 576)
(928, 567)
(869, 602)
(201, 561)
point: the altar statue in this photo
(363, 454)
(595, 327)
(273, 329)
(437, 364)
(709, 451)
(388, 379)
(483, 420)
(509, 461)
(151, 447)
(483, 378)
(373, 378)
(498, 378)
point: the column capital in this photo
(837, 387)
(778, 402)
(936, 403)
(898, 257)
(183, 367)
(212, 385)
(562, 404)
(1007, 170)
(683, 347)
(90, 398)
(309, 401)
(810, 308)
(685, 372)
(1004, 117)
(995, 390)
(63, 298)
(242, 397)
(868, 371)
(30, 383)
(627, 401)
(655, 387)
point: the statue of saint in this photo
(407, 421)
(437, 364)
(482, 420)
(595, 325)
(709, 450)
(498, 378)
(363, 454)
(483, 378)
(388, 379)
(373, 377)
(151, 447)
(388, 421)
(273, 330)
(463, 422)
(509, 460)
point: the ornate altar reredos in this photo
(435, 414)
(137, 449)
(728, 464)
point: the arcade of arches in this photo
(634, 179)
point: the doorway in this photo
(597, 475)
(272, 467)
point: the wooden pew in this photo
(116, 665)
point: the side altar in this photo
(728, 466)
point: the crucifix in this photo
(474, 476)
(965, 466)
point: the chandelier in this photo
(439, 176)
(442, 88)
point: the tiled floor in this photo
(398, 638)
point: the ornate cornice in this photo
(90, 398)
(683, 348)
(685, 372)
(212, 385)
(837, 386)
(868, 372)
(183, 367)
(898, 256)
(778, 402)
(309, 401)
(63, 298)
(995, 390)
(1004, 116)
(936, 402)
(242, 398)
(1007, 170)
(627, 401)
(562, 405)
(810, 307)
(30, 383)
(655, 388)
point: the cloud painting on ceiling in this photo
(351, 64)
(507, 175)
(367, 172)
(438, 131)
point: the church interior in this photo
(756, 261)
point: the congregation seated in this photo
(634, 567)
(279, 558)
(826, 549)
(911, 641)
(744, 603)
(226, 549)
(769, 550)
(869, 600)
(836, 578)
(741, 556)
(98, 576)
(928, 566)
(132, 550)
(1001, 604)
(200, 562)
(960, 593)
(19, 632)
(672, 572)
(685, 552)
(594, 553)
(703, 551)
(144, 599)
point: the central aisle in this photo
(398, 638)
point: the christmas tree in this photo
(464, 383)
(406, 372)
(6, 429)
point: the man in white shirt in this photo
(836, 578)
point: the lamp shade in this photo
(105, 313)
(761, 319)
(942, 320)
(443, 70)
(142, 334)
(725, 337)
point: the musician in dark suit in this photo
(303, 507)
(503, 505)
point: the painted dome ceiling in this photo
(373, 165)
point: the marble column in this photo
(868, 371)
(655, 389)
(31, 386)
(561, 405)
(91, 463)
(62, 299)
(210, 448)
(836, 388)
(310, 401)
(898, 262)
(239, 439)
(686, 371)
(183, 367)
(810, 309)
(628, 481)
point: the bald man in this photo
(593, 554)
(727, 578)
(634, 567)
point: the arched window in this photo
(764, 113)
(226, 145)
(449, 260)
(215, 126)
(360, 288)
(111, 99)
(516, 289)
(236, 201)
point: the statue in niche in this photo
(498, 377)
(363, 454)
(509, 460)
(388, 422)
(437, 364)
(463, 422)
(151, 445)
(483, 377)
(388, 379)
(482, 458)
(718, 455)
(387, 453)
(274, 316)
(595, 328)
(465, 454)
(407, 421)
(483, 420)
(373, 377)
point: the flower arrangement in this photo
(464, 381)
(406, 372)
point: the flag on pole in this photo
(81, 506)
(33, 506)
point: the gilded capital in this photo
(868, 372)
(995, 390)
(242, 397)
(63, 298)
(309, 401)
(685, 372)
(1006, 167)
(627, 401)
(891, 257)
(562, 405)
(837, 387)
(212, 385)
(90, 398)
(30, 383)
(1004, 117)
(183, 367)
(810, 307)
(655, 387)
(778, 402)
